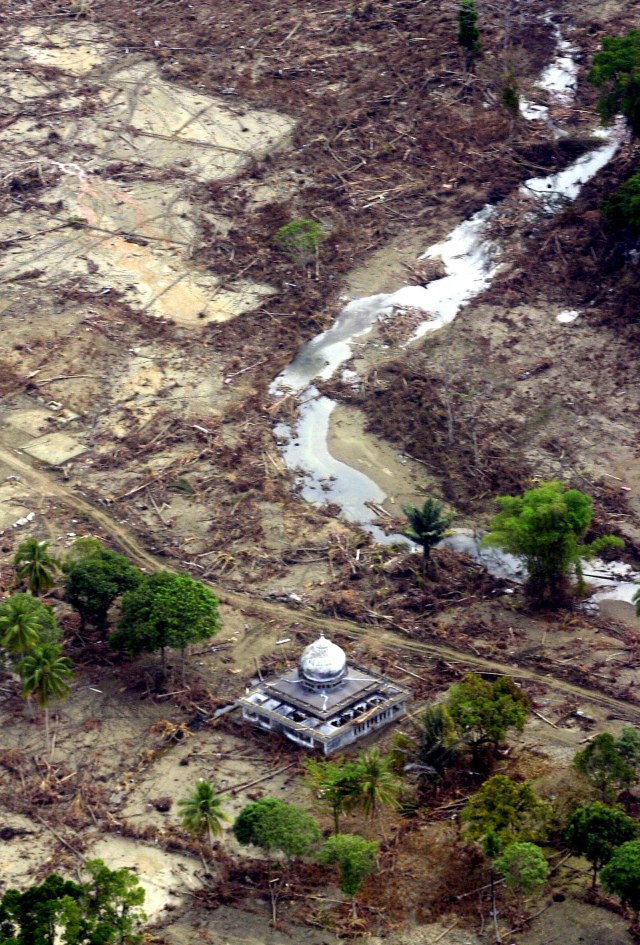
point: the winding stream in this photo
(470, 260)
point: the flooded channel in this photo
(470, 260)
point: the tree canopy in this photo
(354, 856)
(594, 831)
(95, 577)
(165, 610)
(103, 910)
(201, 811)
(621, 875)
(468, 32)
(277, 827)
(508, 809)
(35, 566)
(435, 743)
(604, 764)
(25, 623)
(46, 674)
(616, 73)
(546, 527)
(377, 786)
(426, 526)
(335, 784)
(524, 868)
(482, 712)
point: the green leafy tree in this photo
(35, 566)
(524, 868)
(426, 527)
(621, 209)
(468, 32)
(25, 623)
(300, 240)
(629, 745)
(109, 910)
(377, 785)
(95, 577)
(45, 674)
(31, 917)
(277, 827)
(621, 875)
(104, 910)
(435, 744)
(483, 712)
(165, 610)
(82, 549)
(616, 74)
(636, 601)
(510, 97)
(604, 766)
(201, 811)
(334, 783)
(546, 526)
(509, 810)
(595, 831)
(355, 858)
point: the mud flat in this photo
(137, 237)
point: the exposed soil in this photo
(150, 153)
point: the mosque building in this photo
(325, 703)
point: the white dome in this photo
(323, 664)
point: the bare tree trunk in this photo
(46, 732)
(492, 880)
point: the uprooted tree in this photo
(546, 526)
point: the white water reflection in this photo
(558, 80)
(499, 563)
(332, 481)
(555, 190)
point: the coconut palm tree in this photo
(201, 811)
(378, 786)
(44, 673)
(20, 623)
(35, 566)
(426, 527)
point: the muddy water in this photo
(135, 237)
(470, 260)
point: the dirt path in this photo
(46, 485)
